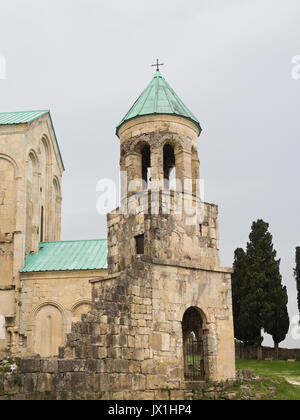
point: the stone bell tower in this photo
(166, 286)
(160, 182)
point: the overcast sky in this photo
(229, 60)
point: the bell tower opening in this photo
(146, 166)
(169, 167)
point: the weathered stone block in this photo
(58, 381)
(44, 382)
(139, 354)
(155, 341)
(155, 382)
(49, 365)
(30, 365)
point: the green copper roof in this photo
(67, 256)
(159, 98)
(20, 117)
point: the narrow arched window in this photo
(42, 225)
(146, 165)
(169, 167)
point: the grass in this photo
(277, 373)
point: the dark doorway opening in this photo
(193, 345)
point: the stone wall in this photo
(56, 299)
(55, 379)
(252, 352)
(166, 236)
(30, 179)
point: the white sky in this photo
(230, 62)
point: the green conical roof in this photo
(159, 98)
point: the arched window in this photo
(56, 200)
(146, 165)
(45, 160)
(193, 345)
(32, 204)
(169, 167)
(42, 225)
(48, 331)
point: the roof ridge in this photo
(74, 240)
(22, 112)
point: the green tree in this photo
(264, 269)
(259, 299)
(297, 275)
(238, 280)
(247, 323)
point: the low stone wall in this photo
(253, 352)
(73, 379)
(70, 379)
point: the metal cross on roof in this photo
(157, 65)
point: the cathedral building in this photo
(154, 291)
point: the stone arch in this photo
(48, 329)
(174, 140)
(31, 154)
(12, 161)
(56, 185)
(203, 310)
(79, 308)
(139, 144)
(136, 162)
(195, 344)
(60, 307)
(182, 154)
(46, 143)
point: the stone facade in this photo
(30, 206)
(50, 302)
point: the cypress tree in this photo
(264, 271)
(259, 299)
(247, 323)
(297, 275)
(238, 281)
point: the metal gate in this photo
(193, 359)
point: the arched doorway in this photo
(194, 343)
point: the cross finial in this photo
(157, 65)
